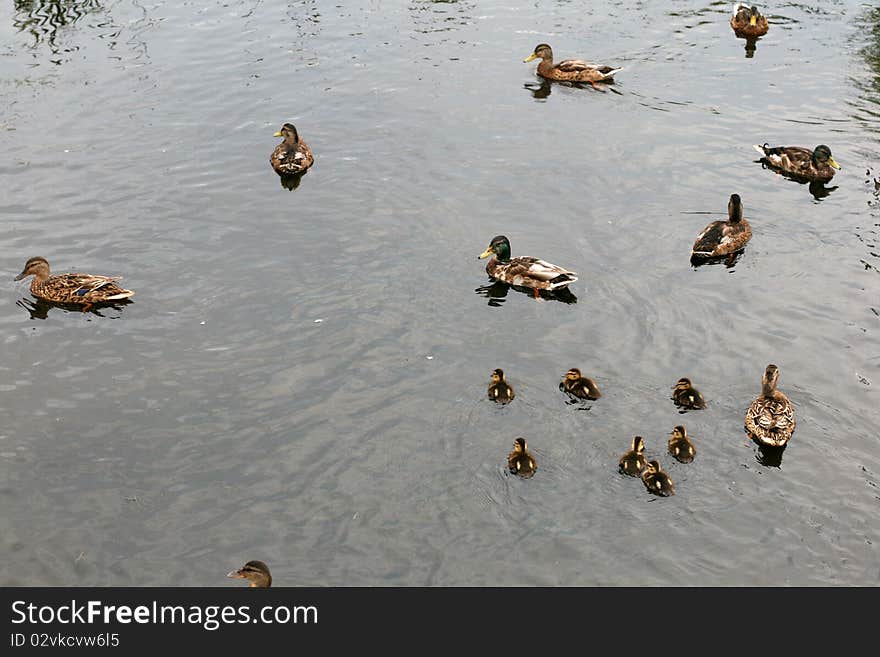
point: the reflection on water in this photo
(751, 46)
(290, 181)
(497, 291)
(539, 91)
(39, 308)
(769, 456)
(728, 260)
(43, 19)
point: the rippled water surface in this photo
(302, 375)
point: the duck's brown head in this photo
(683, 383)
(638, 444)
(520, 446)
(256, 572)
(36, 266)
(574, 374)
(497, 375)
(543, 51)
(288, 131)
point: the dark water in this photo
(302, 375)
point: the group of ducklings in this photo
(769, 421)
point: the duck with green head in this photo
(800, 163)
(524, 271)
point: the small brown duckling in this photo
(580, 386)
(256, 572)
(686, 396)
(633, 462)
(293, 155)
(657, 481)
(680, 445)
(499, 389)
(520, 461)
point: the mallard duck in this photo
(520, 461)
(680, 445)
(293, 155)
(747, 21)
(499, 389)
(770, 418)
(657, 481)
(579, 386)
(633, 462)
(686, 396)
(570, 70)
(256, 572)
(800, 163)
(722, 238)
(524, 271)
(83, 290)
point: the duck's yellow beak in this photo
(530, 57)
(486, 253)
(753, 20)
(278, 134)
(833, 163)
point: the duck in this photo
(801, 163)
(580, 386)
(78, 289)
(520, 462)
(499, 389)
(570, 70)
(686, 396)
(770, 419)
(292, 156)
(633, 462)
(747, 21)
(657, 481)
(524, 271)
(680, 446)
(256, 572)
(723, 238)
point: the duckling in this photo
(798, 162)
(293, 155)
(686, 396)
(770, 418)
(680, 445)
(657, 481)
(520, 461)
(256, 572)
(500, 390)
(633, 462)
(84, 290)
(580, 386)
(722, 238)
(748, 21)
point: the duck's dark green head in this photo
(500, 246)
(735, 208)
(542, 50)
(822, 155)
(256, 572)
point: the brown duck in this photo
(577, 385)
(748, 21)
(680, 446)
(293, 155)
(722, 238)
(770, 418)
(633, 462)
(499, 389)
(78, 289)
(570, 70)
(520, 462)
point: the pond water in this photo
(301, 376)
